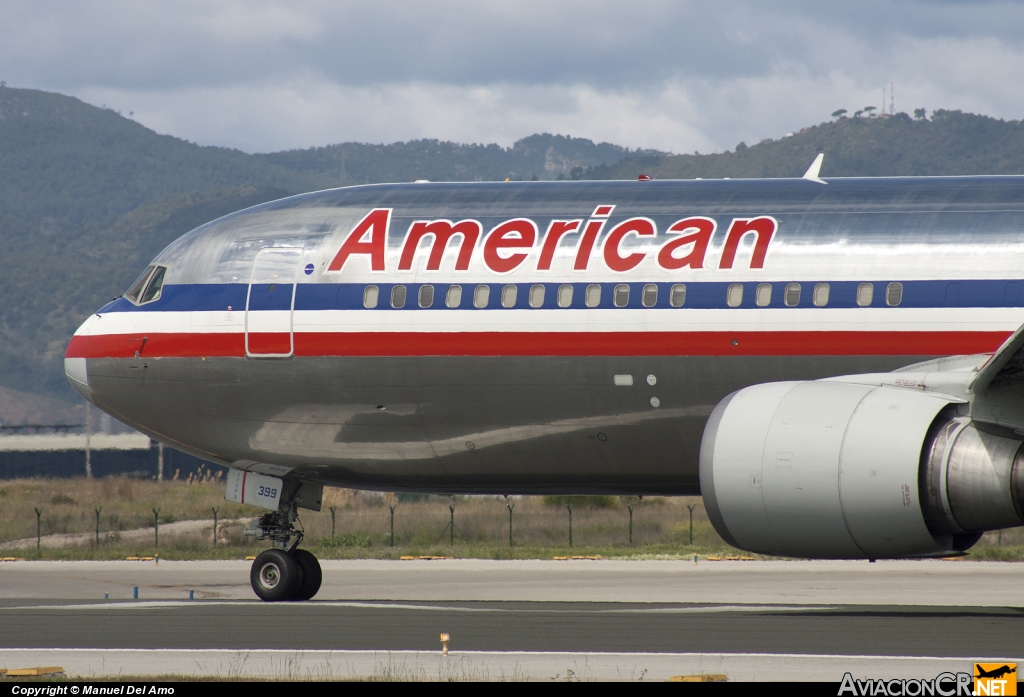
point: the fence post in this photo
(215, 510)
(39, 526)
(690, 507)
(156, 527)
(333, 509)
(630, 508)
(510, 507)
(88, 442)
(392, 525)
(452, 523)
(98, 525)
(570, 524)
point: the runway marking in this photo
(176, 604)
(413, 652)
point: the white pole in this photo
(160, 462)
(88, 442)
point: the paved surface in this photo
(509, 626)
(535, 619)
(476, 665)
(932, 582)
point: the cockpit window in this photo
(148, 287)
(137, 287)
(155, 285)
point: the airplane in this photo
(995, 673)
(834, 364)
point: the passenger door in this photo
(271, 302)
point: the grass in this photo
(362, 524)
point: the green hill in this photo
(950, 143)
(541, 156)
(64, 161)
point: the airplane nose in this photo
(75, 369)
(75, 366)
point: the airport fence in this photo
(115, 517)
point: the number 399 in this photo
(267, 491)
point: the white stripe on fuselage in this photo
(572, 320)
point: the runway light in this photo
(445, 638)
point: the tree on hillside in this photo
(838, 113)
(919, 114)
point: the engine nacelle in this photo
(844, 471)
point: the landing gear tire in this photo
(312, 576)
(276, 575)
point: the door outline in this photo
(299, 251)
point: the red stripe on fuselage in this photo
(783, 343)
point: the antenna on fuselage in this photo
(814, 170)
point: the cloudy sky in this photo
(674, 75)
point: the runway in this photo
(752, 619)
(925, 582)
(505, 626)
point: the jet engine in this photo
(847, 471)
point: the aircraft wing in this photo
(1005, 367)
(997, 391)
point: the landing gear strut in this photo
(283, 572)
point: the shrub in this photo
(583, 501)
(346, 540)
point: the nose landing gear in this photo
(277, 575)
(312, 576)
(283, 572)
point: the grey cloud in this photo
(606, 44)
(672, 75)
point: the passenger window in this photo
(481, 296)
(952, 293)
(426, 296)
(894, 294)
(454, 296)
(1012, 293)
(508, 296)
(140, 283)
(621, 295)
(155, 285)
(650, 296)
(370, 295)
(593, 296)
(537, 295)
(734, 295)
(565, 295)
(820, 295)
(865, 293)
(344, 298)
(398, 297)
(763, 295)
(792, 295)
(677, 296)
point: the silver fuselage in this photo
(295, 361)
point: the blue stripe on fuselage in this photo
(702, 295)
